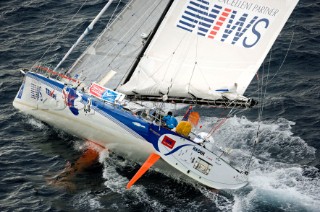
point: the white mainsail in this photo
(119, 44)
(204, 48)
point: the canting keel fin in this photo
(152, 159)
(89, 157)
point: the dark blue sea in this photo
(285, 172)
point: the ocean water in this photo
(285, 172)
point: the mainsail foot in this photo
(224, 102)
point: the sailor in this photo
(170, 121)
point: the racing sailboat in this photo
(191, 52)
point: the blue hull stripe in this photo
(47, 81)
(176, 149)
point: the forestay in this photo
(205, 49)
(119, 44)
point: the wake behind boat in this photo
(193, 52)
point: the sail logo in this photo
(222, 23)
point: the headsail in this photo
(209, 49)
(120, 43)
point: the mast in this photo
(147, 42)
(87, 30)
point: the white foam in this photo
(276, 175)
(79, 145)
(117, 183)
(220, 201)
(286, 184)
(113, 180)
(85, 200)
(36, 123)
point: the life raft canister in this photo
(184, 128)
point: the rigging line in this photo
(195, 64)
(265, 88)
(194, 67)
(84, 34)
(59, 35)
(219, 123)
(126, 77)
(284, 59)
(198, 67)
(133, 27)
(180, 66)
(196, 57)
(266, 84)
(200, 70)
(170, 60)
(108, 25)
(132, 36)
(129, 68)
(124, 36)
(247, 165)
(235, 113)
(262, 93)
(132, 64)
(113, 14)
(170, 57)
(289, 47)
(99, 36)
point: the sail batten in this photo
(210, 49)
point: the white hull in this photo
(46, 100)
(90, 126)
